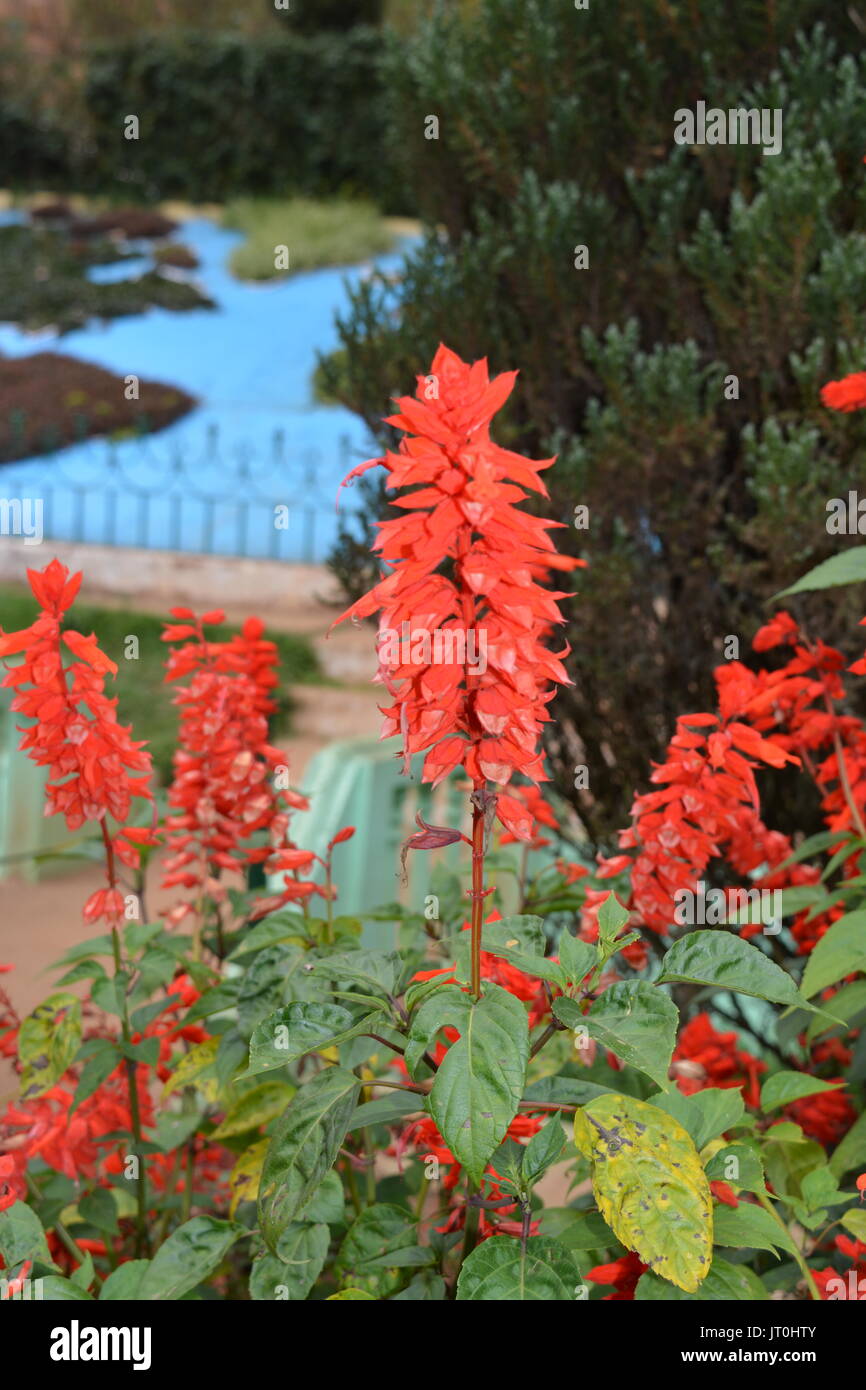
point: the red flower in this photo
(826, 1116)
(623, 1274)
(90, 758)
(847, 394)
(704, 1057)
(13, 1187)
(723, 1193)
(223, 791)
(480, 700)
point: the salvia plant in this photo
(644, 1083)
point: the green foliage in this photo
(259, 114)
(556, 131)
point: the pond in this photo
(257, 440)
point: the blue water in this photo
(213, 478)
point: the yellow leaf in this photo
(194, 1069)
(649, 1185)
(246, 1175)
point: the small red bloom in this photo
(847, 394)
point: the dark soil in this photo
(177, 255)
(133, 223)
(49, 400)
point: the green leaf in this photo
(725, 1282)
(848, 567)
(375, 970)
(379, 1245)
(788, 1161)
(22, 1237)
(98, 1208)
(538, 966)
(726, 961)
(501, 1271)
(576, 957)
(123, 1283)
(291, 1275)
(706, 1114)
(738, 1164)
(813, 844)
(214, 1001)
(783, 1087)
(55, 1289)
(819, 1189)
(328, 1205)
(522, 934)
(612, 917)
(851, 1152)
(841, 951)
(385, 1109)
(48, 1040)
(85, 1274)
(855, 1222)
(103, 1056)
(267, 982)
(481, 1078)
(543, 1150)
(649, 1185)
(426, 1286)
(303, 1148)
(189, 1255)
(576, 1230)
(748, 1227)
(447, 1008)
(846, 1004)
(299, 1028)
(280, 927)
(254, 1108)
(634, 1020)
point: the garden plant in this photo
(644, 1084)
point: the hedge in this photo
(219, 114)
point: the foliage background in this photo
(704, 261)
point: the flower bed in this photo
(250, 1103)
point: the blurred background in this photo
(230, 234)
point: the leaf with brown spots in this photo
(649, 1185)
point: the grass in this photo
(143, 700)
(317, 233)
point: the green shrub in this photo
(225, 114)
(555, 131)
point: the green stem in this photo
(353, 1187)
(470, 1230)
(142, 1245)
(798, 1254)
(57, 1225)
(367, 1141)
